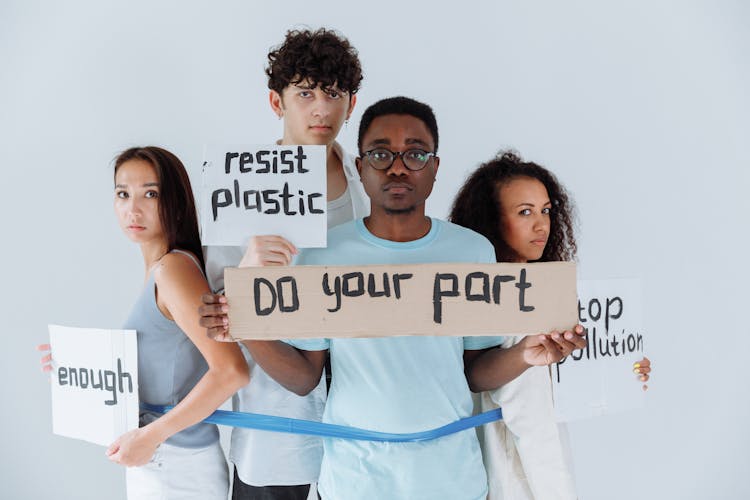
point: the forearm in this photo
(215, 387)
(296, 370)
(495, 367)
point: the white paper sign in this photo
(599, 379)
(94, 383)
(264, 189)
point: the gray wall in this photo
(640, 107)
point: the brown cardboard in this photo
(549, 299)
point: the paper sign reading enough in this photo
(392, 300)
(94, 383)
(264, 189)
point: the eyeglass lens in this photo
(414, 159)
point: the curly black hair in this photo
(322, 57)
(477, 206)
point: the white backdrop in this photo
(640, 107)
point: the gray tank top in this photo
(169, 364)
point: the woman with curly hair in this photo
(528, 217)
(487, 204)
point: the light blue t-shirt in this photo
(400, 384)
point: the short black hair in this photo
(399, 106)
(323, 57)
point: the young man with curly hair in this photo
(313, 77)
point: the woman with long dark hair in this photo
(173, 455)
(528, 217)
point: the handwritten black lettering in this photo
(287, 162)
(301, 157)
(284, 161)
(263, 311)
(359, 288)
(283, 307)
(220, 198)
(311, 208)
(228, 161)
(371, 289)
(285, 196)
(103, 380)
(611, 345)
(485, 295)
(266, 201)
(245, 159)
(522, 285)
(438, 293)
(592, 302)
(608, 314)
(336, 291)
(260, 159)
(496, 282)
(251, 200)
(397, 279)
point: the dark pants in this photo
(242, 491)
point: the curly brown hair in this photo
(322, 57)
(477, 206)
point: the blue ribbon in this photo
(311, 428)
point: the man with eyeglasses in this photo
(400, 384)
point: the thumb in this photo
(533, 340)
(113, 448)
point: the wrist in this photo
(520, 354)
(155, 432)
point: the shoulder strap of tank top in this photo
(192, 257)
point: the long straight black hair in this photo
(176, 203)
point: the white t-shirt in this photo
(341, 209)
(265, 458)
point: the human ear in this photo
(277, 104)
(352, 103)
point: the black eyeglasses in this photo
(382, 159)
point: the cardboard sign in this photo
(94, 383)
(268, 189)
(392, 300)
(599, 379)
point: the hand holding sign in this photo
(46, 360)
(642, 368)
(489, 369)
(134, 448)
(94, 382)
(270, 250)
(214, 317)
(541, 350)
